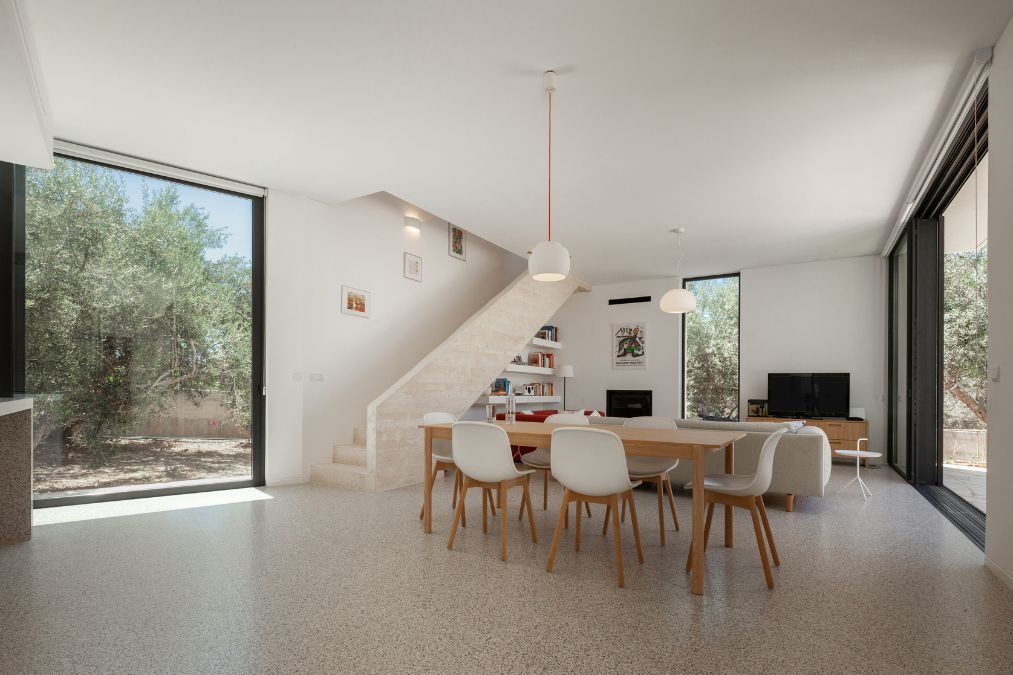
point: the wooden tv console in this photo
(842, 433)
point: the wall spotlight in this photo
(412, 225)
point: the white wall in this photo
(585, 329)
(999, 532)
(312, 250)
(827, 316)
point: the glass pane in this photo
(965, 339)
(712, 349)
(138, 330)
(899, 377)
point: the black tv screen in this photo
(808, 394)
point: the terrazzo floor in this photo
(313, 579)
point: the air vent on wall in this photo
(629, 301)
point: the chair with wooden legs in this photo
(540, 459)
(745, 492)
(590, 464)
(443, 457)
(653, 470)
(484, 458)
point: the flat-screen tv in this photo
(808, 394)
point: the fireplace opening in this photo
(628, 402)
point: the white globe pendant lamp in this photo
(549, 260)
(678, 300)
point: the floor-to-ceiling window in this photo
(965, 338)
(141, 332)
(939, 328)
(710, 349)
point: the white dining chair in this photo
(652, 470)
(443, 460)
(590, 464)
(483, 455)
(746, 492)
(540, 459)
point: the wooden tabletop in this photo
(676, 443)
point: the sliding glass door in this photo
(900, 393)
(965, 339)
(142, 336)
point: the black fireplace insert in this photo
(628, 402)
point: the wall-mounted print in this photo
(455, 242)
(355, 302)
(412, 267)
(629, 345)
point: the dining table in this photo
(682, 444)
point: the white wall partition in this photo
(999, 526)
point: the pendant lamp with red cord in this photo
(549, 261)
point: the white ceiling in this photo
(774, 131)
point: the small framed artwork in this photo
(355, 302)
(455, 242)
(412, 267)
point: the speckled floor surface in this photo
(320, 580)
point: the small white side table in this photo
(859, 455)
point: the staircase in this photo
(450, 379)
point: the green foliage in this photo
(712, 349)
(122, 309)
(965, 339)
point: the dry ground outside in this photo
(138, 461)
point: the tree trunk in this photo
(965, 398)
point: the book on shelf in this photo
(548, 333)
(541, 359)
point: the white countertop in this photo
(15, 404)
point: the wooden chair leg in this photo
(636, 525)
(789, 502)
(492, 502)
(431, 484)
(458, 513)
(608, 515)
(661, 508)
(502, 520)
(706, 536)
(576, 531)
(770, 535)
(520, 511)
(759, 544)
(457, 488)
(531, 513)
(563, 509)
(622, 518)
(587, 508)
(485, 511)
(566, 517)
(618, 539)
(545, 490)
(671, 502)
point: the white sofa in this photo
(801, 463)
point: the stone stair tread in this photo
(339, 466)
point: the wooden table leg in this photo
(729, 468)
(427, 499)
(698, 508)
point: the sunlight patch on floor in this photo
(133, 507)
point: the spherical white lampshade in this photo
(549, 261)
(678, 301)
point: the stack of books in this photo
(548, 333)
(541, 359)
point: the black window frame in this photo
(12, 303)
(682, 342)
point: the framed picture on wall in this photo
(456, 242)
(355, 302)
(629, 345)
(412, 267)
